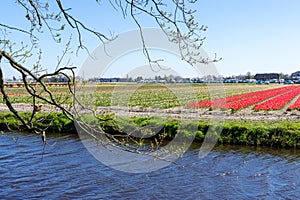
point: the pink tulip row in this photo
(278, 102)
(241, 101)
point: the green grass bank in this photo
(283, 134)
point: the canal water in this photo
(69, 171)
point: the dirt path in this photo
(205, 114)
(180, 113)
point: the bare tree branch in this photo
(173, 17)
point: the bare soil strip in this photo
(181, 113)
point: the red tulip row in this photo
(295, 105)
(241, 101)
(258, 97)
(278, 102)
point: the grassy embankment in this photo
(278, 133)
(275, 134)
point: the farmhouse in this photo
(109, 80)
(295, 75)
(266, 76)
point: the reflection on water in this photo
(69, 171)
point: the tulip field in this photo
(295, 105)
(270, 99)
(235, 96)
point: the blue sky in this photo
(255, 36)
(250, 35)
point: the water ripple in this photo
(68, 171)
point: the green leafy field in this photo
(143, 95)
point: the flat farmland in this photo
(164, 95)
(148, 95)
(232, 101)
